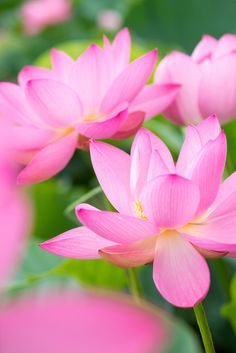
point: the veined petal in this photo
(225, 201)
(61, 65)
(105, 128)
(112, 168)
(154, 99)
(130, 82)
(90, 78)
(32, 73)
(130, 126)
(121, 50)
(115, 226)
(56, 103)
(170, 201)
(14, 106)
(196, 138)
(143, 145)
(207, 169)
(77, 243)
(180, 273)
(49, 161)
(130, 255)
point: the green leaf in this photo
(229, 309)
(49, 202)
(95, 273)
(184, 339)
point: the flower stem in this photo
(204, 328)
(134, 284)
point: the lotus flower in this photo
(14, 212)
(100, 95)
(37, 14)
(71, 322)
(202, 75)
(170, 213)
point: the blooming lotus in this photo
(99, 95)
(71, 322)
(202, 75)
(173, 214)
(35, 18)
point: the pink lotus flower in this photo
(202, 75)
(169, 213)
(14, 215)
(71, 322)
(100, 95)
(37, 14)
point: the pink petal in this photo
(207, 169)
(49, 161)
(170, 201)
(121, 50)
(204, 49)
(112, 168)
(105, 128)
(153, 99)
(77, 243)
(179, 68)
(144, 143)
(217, 95)
(180, 273)
(226, 45)
(74, 321)
(209, 129)
(130, 126)
(130, 255)
(61, 64)
(29, 73)
(130, 82)
(114, 226)
(196, 138)
(225, 201)
(56, 104)
(14, 222)
(90, 78)
(14, 106)
(31, 138)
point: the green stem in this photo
(134, 284)
(204, 328)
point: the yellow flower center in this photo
(138, 210)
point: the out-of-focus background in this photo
(168, 25)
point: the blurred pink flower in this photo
(100, 95)
(172, 214)
(14, 215)
(202, 75)
(37, 14)
(84, 323)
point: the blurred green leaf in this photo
(229, 310)
(50, 199)
(95, 273)
(230, 130)
(184, 340)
